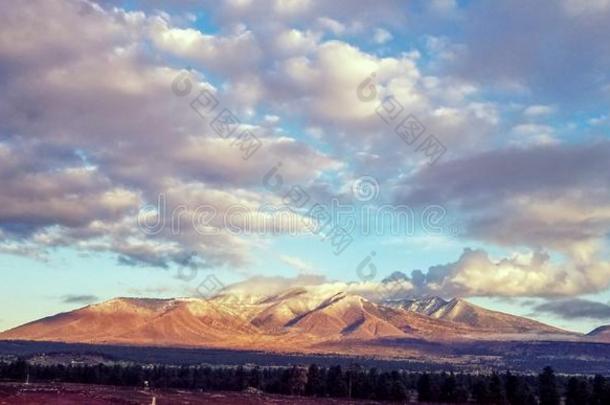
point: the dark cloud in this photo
(552, 197)
(495, 175)
(557, 49)
(575, 309)
(79, 299)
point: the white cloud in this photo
(538, 110)
(382, 36)
(298, 264)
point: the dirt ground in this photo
(78, 394)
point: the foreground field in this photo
(78, 394)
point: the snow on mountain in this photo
(295, 319)
(426, 306)
(462, 312)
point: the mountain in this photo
(462, 312)
(138, 321)
(304, 319)
(601, 333)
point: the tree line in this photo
(355, 381)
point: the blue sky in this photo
(511, 210)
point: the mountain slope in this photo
(298, 319)
(347, 316)
(462, 312)
(601, 333)
(138, 321)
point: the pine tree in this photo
(547, 387)
(517, 390)
(424, 388)
(335, 382)
(601, 391)
(256, 378)
(577, 392)
(497, 394)
(448, 387)
(480, 391)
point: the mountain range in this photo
(303, 319)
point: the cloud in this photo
(269, 285)
(551, 196)
(550, 199)
(382, 36)
(515, 42)
(538, 110)
(91, 133)
(527, 275)
(79, 299)
(576, 308)
(234, 53)
(536, 134)
(151, 291)
(298, 264)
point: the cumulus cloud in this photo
(533, 274)
(545, 198)
(91, 133)
(92, 137)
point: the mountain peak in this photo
(460, 311)
(129, 303)
(601, 331)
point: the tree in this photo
(547, 387)
(451, 390)
(424, 388)
(496, 390)
(240, 381)
(256, 378)
(601, 391)
(294, 380)
(428, 388)
(518, 391)
(335, 382)
(383, 388)
(398, 391)
(577, 392)
(314, 382)
(448, 387)
(480, 392)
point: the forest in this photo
(545, 388)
